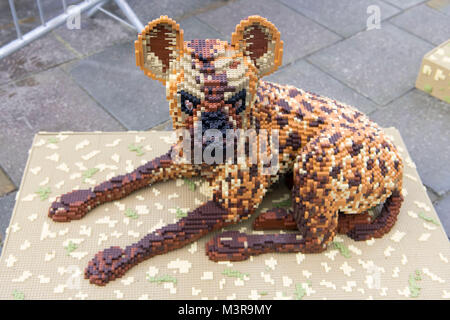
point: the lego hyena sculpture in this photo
(340, 163)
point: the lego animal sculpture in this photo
(341, 164)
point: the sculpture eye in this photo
(189, 105)
(238, 101)
(188, 102)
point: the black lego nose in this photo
(215, 120)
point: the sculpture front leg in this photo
(76, 204)
(229, 205)
(114, 262)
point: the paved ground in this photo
(87, 79)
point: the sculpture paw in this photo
(72, 206)
(106, 266)
(230, 245)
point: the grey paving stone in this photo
(6, 207)
(424, 123)
(426, 23)
(28, 16)
(381, 64)
(196, 29)
(301, 35)
(25, 14)
(48, 101)
(345, 17)
(308, 77)
(403, 4)
(443, 210)
(113, 80)
(165, 126)
(95, 34)
(39, 55)
(432, 195)
(445, 10)
(49, 7)
(175, 9)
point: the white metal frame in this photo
(46, 26)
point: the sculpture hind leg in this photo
(382, 224)
(329, 177)
(276, 218)
(359, 227)
(237, 246)
(317, 224)
(315, 213)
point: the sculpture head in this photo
(209, 81)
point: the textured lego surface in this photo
(43, 259)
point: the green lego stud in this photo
(342, 249)
(427, 88)
(43, 193)
(165, 278)
(17, 295)
(137, 149)
(89, 173)
(180, 213)
(130, 213)
(234, 273)
(71, 247)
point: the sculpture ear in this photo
(260, 40)
(158, 45)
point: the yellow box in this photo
(434, 74)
